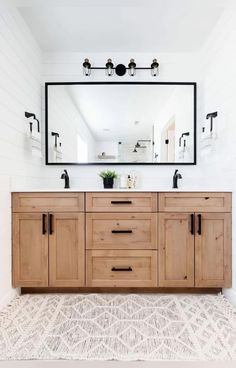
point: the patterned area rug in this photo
(118, 326)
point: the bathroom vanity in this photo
(121, 239)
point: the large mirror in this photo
(120, 123)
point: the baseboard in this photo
(7, 298)
(230, 294)
(39, 290)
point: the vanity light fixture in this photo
(87, 67)
(109, 67)
(154, 68)
(120, 69)
(132, 67)
(31, 115)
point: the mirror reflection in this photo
(120, 123)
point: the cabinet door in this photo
(176, 249)
(30, 250)
(213, 250)
(66, 249)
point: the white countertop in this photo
(58, 190)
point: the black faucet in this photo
(67, 179)
(175, 179)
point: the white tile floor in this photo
(148, 327)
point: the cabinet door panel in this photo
(121, 231)
(66, 249)
(213, 250)
(30, 250)
(121, 268)
(176, 250)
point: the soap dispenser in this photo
(129, 182)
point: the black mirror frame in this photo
(194, 84)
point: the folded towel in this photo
(35, 144)
(57, 154)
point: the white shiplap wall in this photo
(219, 55)
(20, 91)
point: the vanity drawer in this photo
(121, 202)
(118, 268)
(48, 202)
(121, 230)
(195, 202)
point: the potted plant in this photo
(108, 178)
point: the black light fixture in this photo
(109, 67)
(132, 67)
(120, 69)
(154, 68)
(87, 67)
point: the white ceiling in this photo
(121, 26)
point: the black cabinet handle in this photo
(44, 227)
(199, 224)
(122, 231)
(192, 230)
(121, 202)
(50, 224)
(121, 269)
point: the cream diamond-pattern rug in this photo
(118, 326)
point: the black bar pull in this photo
(50, 224)
(44, 228)
(192, 230)
(121, 269)
(199, 224)
(122, 231)
(121, 202)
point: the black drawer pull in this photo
(199, 224)
(50, 224)
(192, 224)
(121, 269)
(121, 202)
(122, 231)
(44, 227)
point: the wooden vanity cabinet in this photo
(30, 250)
(122, 239)
(213, 250)
(66, 249)
(176, 250)
(48, 247)
(195, 247)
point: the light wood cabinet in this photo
(122, 268)
(176, 250)
(48, 247)
(122, 239)
(30, 250)
(195, 202)
(48, 202)
(213, 250)
(121, 202)
(66, 249)
(121, 231)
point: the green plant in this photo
(108, 174)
